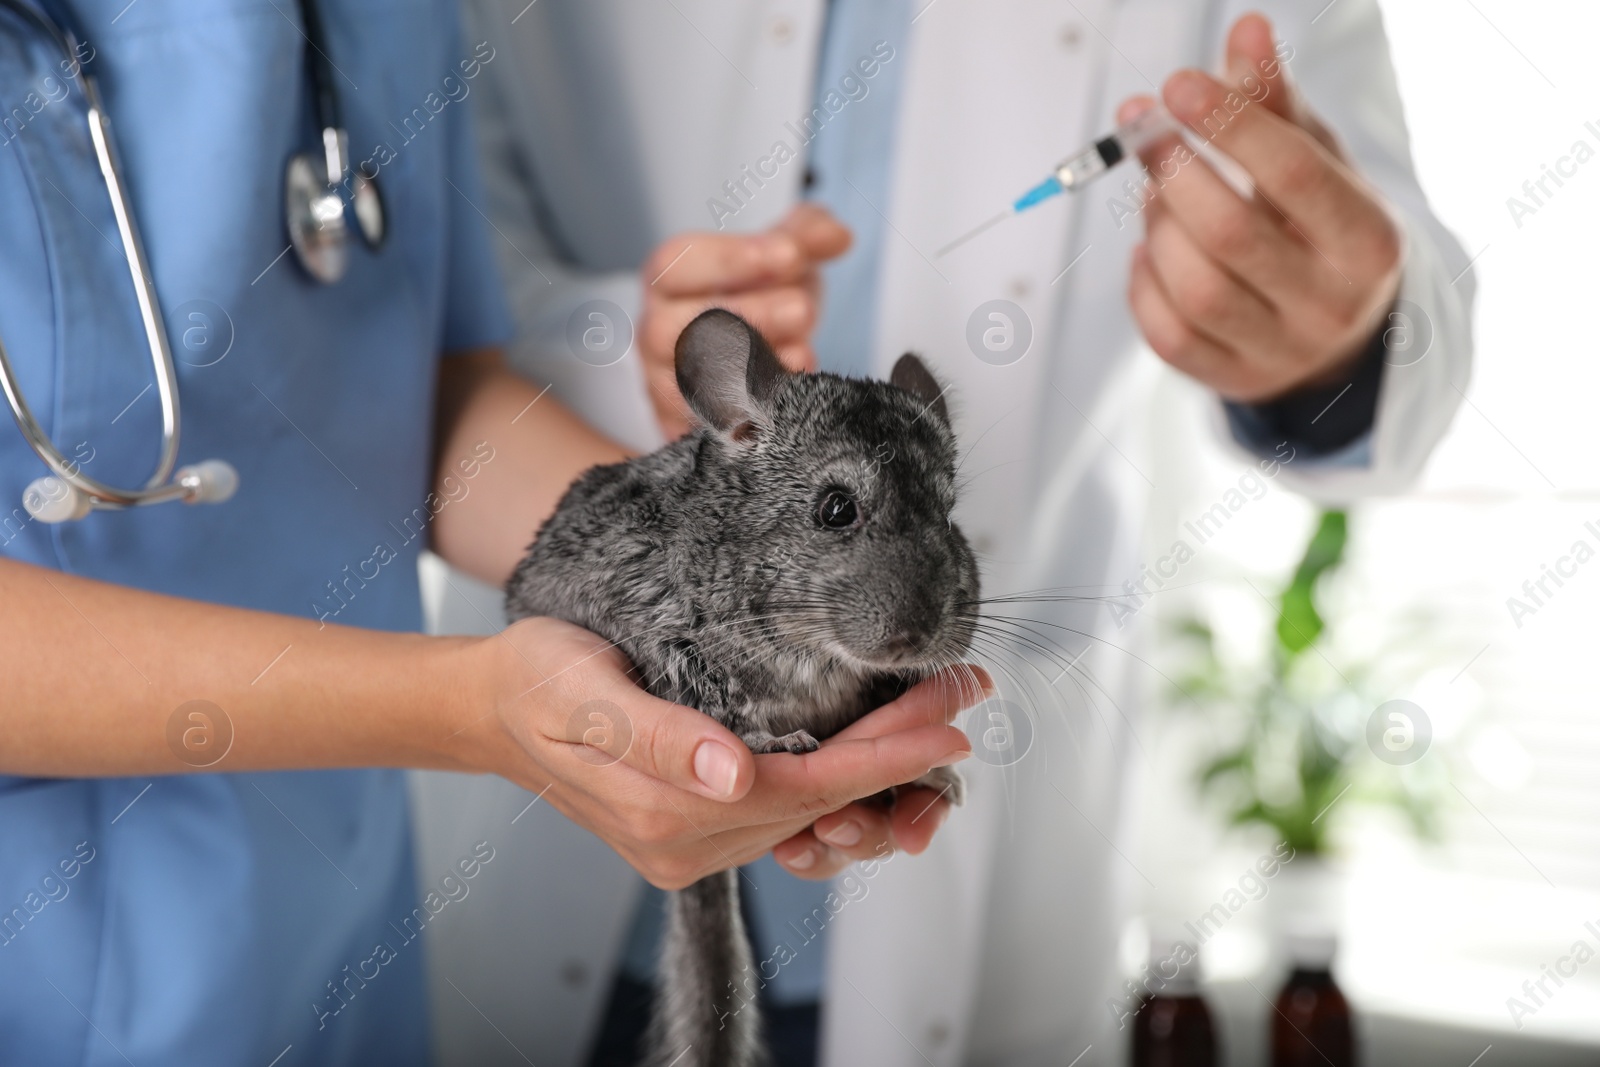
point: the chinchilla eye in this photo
(837, 510)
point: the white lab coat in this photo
(607, 127)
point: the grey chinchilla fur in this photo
(785, 568)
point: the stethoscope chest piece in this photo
(368, 207)
(315, 187)
(314, 211)
(314, 207)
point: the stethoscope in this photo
(314, 210)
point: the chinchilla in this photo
(786, 567)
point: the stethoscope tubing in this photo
(319, 245)
(69, 493)
(155, 330)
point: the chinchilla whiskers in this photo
(1087, 636)
(1004, 656)
(1044, 596)
(949, 668)
(1081, 680)
(1023, 632)
(1010, 685)
(1012, 643)
(735, 647)
(737, 642)
(813, 600)
(984, 617)
(1020, 671)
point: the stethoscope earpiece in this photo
(51, 500)
(210, 481)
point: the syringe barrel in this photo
(1146, 130)
(1129, 139)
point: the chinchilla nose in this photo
(907, 643)
(901, 646)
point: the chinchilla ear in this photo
(911, 375)
(727, 372)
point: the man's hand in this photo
(675, 793)
(1258, 299)
(769, 278)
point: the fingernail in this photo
(1188, 91)
(846, 835)
(1134, 107)
(791, 314)
(954, 757)
(716, 767)
(803, 862)
(779, 251)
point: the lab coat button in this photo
(983, 544)
(782, 30)
(574, 974)
(1020, 288)
(938, 1034)
(1071, 36)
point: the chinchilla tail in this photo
(705, 1008)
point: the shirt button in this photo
(782, 30)
(574, 974)
(1020, 288)
(983, 544)
(1071, 36)
(938, 1034)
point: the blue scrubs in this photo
(230, 918)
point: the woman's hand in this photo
(770, 278)
(553, 708)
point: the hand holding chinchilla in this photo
(785, 568)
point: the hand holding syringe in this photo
(1256, 288)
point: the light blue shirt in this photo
(850, 164)
(217, 918)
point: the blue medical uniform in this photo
(218, 918)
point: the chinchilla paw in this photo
(799, 743)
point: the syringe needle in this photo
(1076, 171)
(975, 231)
(1041, 192)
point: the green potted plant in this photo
(1290, 746)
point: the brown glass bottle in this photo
(1174, 1031)
(1312, 1025)
(1173, 1026)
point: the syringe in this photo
(1078, 170)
